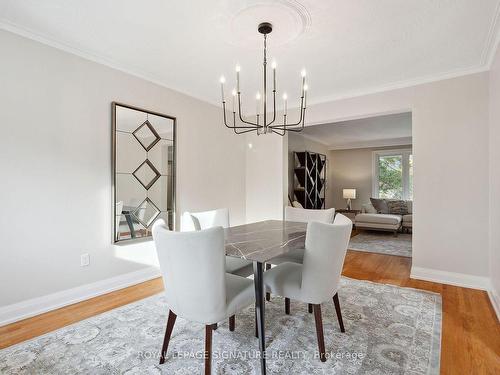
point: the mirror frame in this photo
(113, 169)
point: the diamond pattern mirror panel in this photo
(143, 171)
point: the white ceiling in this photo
(349, 47)
(389, 130)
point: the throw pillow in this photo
(397, 207)
(368, 209)
(380, 205)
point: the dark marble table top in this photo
(264, 240)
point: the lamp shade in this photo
(349, 193)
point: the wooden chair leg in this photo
(208, 349)
(268, 295)
(319, 332)
(287, 306)
(232, 323)
(168, 333)
(339, 313)
(310, 308)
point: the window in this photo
(393, 174)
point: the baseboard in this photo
(451, 278)
(26, 309)
(495, 302)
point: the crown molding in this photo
(388, 142)
(373, 143)
(400, 85)
(486, 60)
(312, 138)
(110, 63)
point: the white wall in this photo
(55, 157)
(495, 179)
(451, 174)
(352, 169)
(298, 143)
(265, 181)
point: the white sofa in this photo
(370, 219)
(387, 222)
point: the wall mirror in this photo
(143, 171)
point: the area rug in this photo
(389, 330)
(382, 243)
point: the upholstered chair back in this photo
(304, 215)
(205, 219)
(193, 268)
(325, 250)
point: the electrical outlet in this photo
(84, 260)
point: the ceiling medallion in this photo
(265, 127)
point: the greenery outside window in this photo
(393, 174)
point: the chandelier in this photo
(242, 125)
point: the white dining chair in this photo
(197, 287)
(303, 215)
(317, 279)
(207, 219)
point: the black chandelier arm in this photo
(277, 132)
(289, 130)
(244, 127)
(296, 130)
(255, 125)
(301, 119)
(285, 127)
(234, 127)
(245, 131)
(290, 127)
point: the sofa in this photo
(385, 215)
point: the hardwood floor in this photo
(470, 336)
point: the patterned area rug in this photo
(389, 330)
(382, 242)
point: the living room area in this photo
(366, 173)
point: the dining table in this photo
(260, 242)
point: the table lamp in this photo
(349, 194)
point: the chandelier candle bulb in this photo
(238, 68)
(222, 81)
(257, 99)
(274, 75)
(285, 103)
(234, 98)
